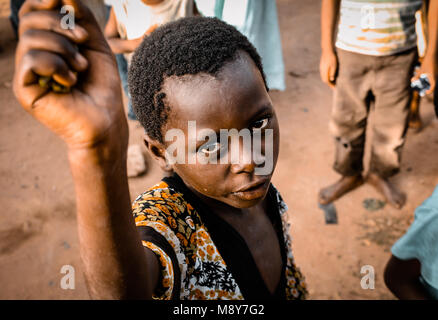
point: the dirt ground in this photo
(37, 222)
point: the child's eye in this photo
(211, 148)
(260, 124)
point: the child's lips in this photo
(252, 191)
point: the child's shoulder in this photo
(163, 202)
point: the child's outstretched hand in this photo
(79, 59)
(90, 118)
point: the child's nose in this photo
(243, 167)
(246, 161)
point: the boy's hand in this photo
(134, 43)
(328, 68)
(429, 67)
(151, 29)
(92, 112)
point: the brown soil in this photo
(37, 223)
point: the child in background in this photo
(258, 21)
(128, 23)
(412, 271)
(131, 20)
(369, 63)
(210, 231)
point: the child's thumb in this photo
(332, 73)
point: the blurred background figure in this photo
(15, 7)
(131, 20)
(258, 21)
(128, 23)
(412, 271)
(370, 63)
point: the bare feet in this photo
(393, 196)
(338, 189)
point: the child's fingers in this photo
(415, 77)
(43, 63)
(36, 5)
(332, 72)
(35, 64)
(432, 86)
(51, 21)
(331, 76)
(55, 43)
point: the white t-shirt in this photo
(134, 18)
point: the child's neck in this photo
(226, 211)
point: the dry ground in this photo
(37, 221)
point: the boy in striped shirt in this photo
(370, 62)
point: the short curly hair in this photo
(187, 46)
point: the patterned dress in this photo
(201, 256)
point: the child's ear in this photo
(158, 152)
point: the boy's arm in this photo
(329, 63)
(116, 44)
(90, 119)
(195, 10)
(402, 277)
(430, 62)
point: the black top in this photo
(233, 248)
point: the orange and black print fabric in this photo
(191, 265)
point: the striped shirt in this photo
(377, 27)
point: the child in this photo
(210, 231)
(370, 63)
(128, 23)
(412, 271)
(131, 20)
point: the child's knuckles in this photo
(44, 63)
(81, 10)
(35, 5)
(26, 95)
(49, 41)
(43, 20)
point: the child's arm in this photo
(116, 44)
(195, 10)
(90, 119)
(402, 277)
(329, 62)
(430, 62)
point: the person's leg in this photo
(348, 123)
(122, 65)
(393, 97)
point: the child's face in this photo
(236, 99)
